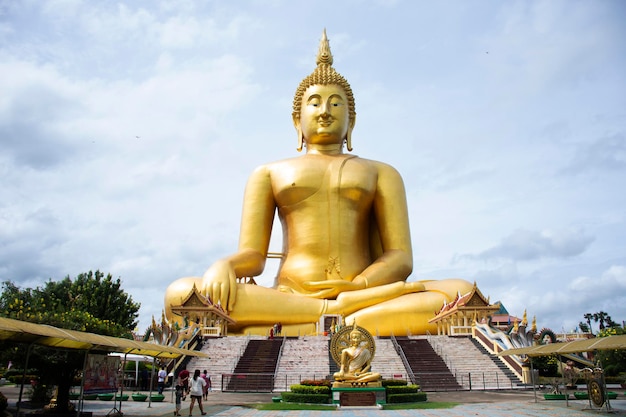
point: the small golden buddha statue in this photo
(355, 360)
(346, 241)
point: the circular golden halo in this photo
(341, 340)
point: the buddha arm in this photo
(256, 225)
(219, 281)
(395, 263)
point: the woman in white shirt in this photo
(196, 388)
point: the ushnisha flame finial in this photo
(324, 56)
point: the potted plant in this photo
(555, 394)
(139, 397)
(157, 398)
(581, 395)
(105, 396)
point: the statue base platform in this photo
(358, 396)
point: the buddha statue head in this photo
(324, 74)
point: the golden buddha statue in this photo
(355, 360)
(346, 241)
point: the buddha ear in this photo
(349, 134)
(298, 126)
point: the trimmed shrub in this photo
(17, 379)
(310, 389)
(317, 382)
(292, 397)
(407, 398)
(393, 382)
(407, 389)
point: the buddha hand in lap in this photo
(346, 241)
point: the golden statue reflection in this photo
(346, 241)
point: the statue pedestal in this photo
(363, 396)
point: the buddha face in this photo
(324, 115)
(355, 338)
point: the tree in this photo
(92, 302)
(583, 327)
(589, 317)
(600, 317)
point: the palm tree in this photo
(589, 317)
(600, 317)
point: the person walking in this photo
(196, 389)
(161, 379)
(179, 396)
(207, 387)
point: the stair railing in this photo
(405, 361)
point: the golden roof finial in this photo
(524, 319)
(534, 327)
(324, 56)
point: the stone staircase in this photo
(224, 352)
(302, 358)
(431, 371)
(387, 362)
(256, 368)
(472, 365)
(308, 358)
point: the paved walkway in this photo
(472, 403)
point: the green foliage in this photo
(407, 389)
(17, 379)
(407, 398)
(310, 389)
(393, 382)
(317, 382)
(293, 397)
(546, 365)
(613, 361)
(91, 303)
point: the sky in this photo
(128, 130)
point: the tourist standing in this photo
(161, 379)
(207, 387)
(196, 389)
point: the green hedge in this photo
(292, 397)
(317, 382)
(406, 398)
(310, 389)
(17, 379)
(393, 382)
(407, 389)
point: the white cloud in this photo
(525, 245)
